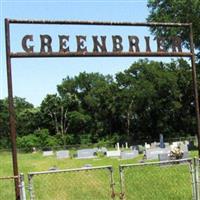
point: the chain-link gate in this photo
(158, 180)
(86, 183)
(7, 187)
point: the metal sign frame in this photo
(10, 55)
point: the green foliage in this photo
(45, 140)
(27, 142)
(109, 141)
(185, 11)
(85, 139)
(39, 139)
(136, 105)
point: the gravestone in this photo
(186, 142)
(147, 146)
(129, 155)
(163, 157)
(185, 155)
(86, 153)
(48, 153)
(113, 153)
(167, 145)
(184, 148)
(134, 147)
(162, 145)
(152, 154)
(153, 145)
(126, 145)
(62, 154)
(118, 147)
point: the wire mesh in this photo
(7, 188)
(160, 180)
(82, 184)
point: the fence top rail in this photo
(104, 23)
(70, 170)
(9, 177)
(157, 163)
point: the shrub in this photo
(40, 139)
(27, 142)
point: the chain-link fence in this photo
(7, 187)
(87, 183)
(168, 180)
(158, 180)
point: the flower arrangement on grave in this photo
(176, 153)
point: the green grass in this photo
(149, 182)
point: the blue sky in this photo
(34, 78)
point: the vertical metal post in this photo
(112, 183)
(30, 186)
(196, 171)
(122, 192)
(193, 173)
(11, 109)
(195, 87)
(22, 188)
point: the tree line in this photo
(138, 104)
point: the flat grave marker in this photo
(129, 155)
(48, 153)
(62, 154)
(86, 153)
(152, 154)
(113, 153)
(163, 157)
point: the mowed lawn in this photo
(147, 182)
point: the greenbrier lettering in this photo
(99, 44)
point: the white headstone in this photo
(167, 144)
(126, 145)
(152, 154)
(48, 153)
(147, 146)
(185, 154)
(163, 157)
(184, 148)
(129, 155)
(113, 153)
(186, 142)
(86, 153)
(153, 145)
(62, 154)
(118, 147)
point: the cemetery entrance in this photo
(99, 49)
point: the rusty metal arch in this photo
(10, 55)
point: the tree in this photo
(4, 120)
(184, 11)
(24, 121)
(155, 99)
(95, 95)
(58, 110)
